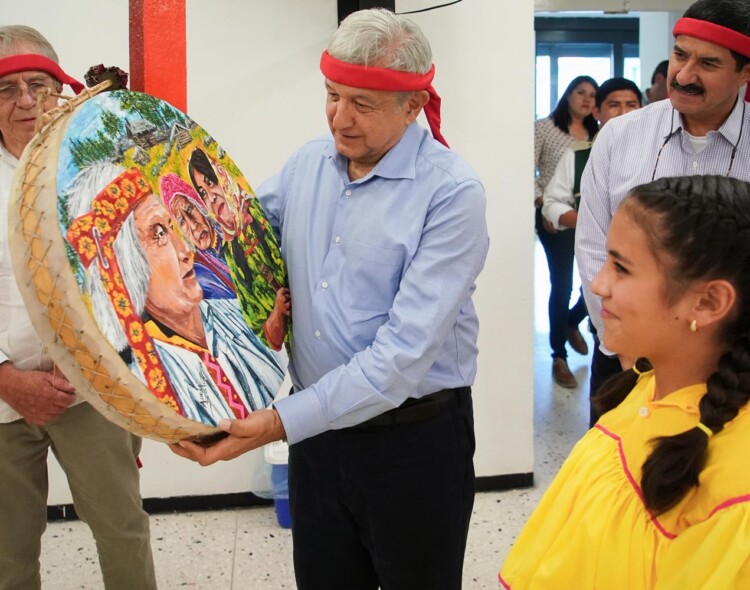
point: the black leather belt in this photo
(415, 409)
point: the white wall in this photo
(655, 41)
(254, 83)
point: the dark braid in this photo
(699, 229)
(616, 388)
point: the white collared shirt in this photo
(19, 342)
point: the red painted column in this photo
(158, 54)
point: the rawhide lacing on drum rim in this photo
(118, 402)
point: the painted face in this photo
(365, 123)
(216, 201)
(173, 288)
(617, 103)
(582, 100)
(18, 107)
(638, 319)
(192, 223)
(703, 82)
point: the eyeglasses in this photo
(672, 133)
(14, 92)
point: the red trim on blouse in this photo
(725, 504)
(635, 485)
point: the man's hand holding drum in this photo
(258, 429)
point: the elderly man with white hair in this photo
(38, 408)
(383, 232)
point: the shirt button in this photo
(317, 334)
(695, 164)
(643, 412)
(338, 239)
(348, 193)
(324, 284)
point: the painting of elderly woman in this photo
(151, 260)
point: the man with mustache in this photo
(704, 128)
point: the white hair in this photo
(12, 36)
(378, 38)
(131, 259)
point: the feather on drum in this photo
(148, 267)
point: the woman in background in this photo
(571, 121)
(657, 494)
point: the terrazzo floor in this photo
(245, 549)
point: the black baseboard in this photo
(176, 504)
(247, 500)
(498, 483)
(213, 502)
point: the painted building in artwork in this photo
(142, 133)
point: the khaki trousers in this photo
(99, 461)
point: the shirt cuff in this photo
(301, 415)
(553, 212)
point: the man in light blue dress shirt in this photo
(383, 231)
(704, 128)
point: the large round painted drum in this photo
(148, 267)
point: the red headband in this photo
(713, 33)
(358, 76)
(33, 62)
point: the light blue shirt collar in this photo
(398, 162)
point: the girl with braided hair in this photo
(657, 494)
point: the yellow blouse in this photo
(591, 529)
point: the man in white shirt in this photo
(38, 406)
(704, 128)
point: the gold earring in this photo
(694, 326)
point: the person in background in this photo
(615, 97)
(571, 121)
(658, 89)
(39, 410)
(383, 231)
(657, 495)
(704, 128)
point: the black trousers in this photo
(559, 250)
(602, 368)
(386, 506)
